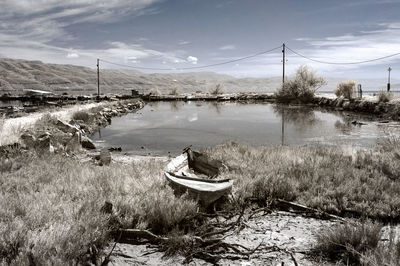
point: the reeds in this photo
(53, 216)
(362, 183)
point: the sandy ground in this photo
(288, 231)
(11, 128)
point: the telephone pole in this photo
(98, 78)
(388, 85)
(283, 63)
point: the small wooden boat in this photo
(199, 186)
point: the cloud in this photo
(72, 55)
(183, 42)
(192, 59)
(355, 47)
(48, 20)
(228, 47)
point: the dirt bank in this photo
(281, 234)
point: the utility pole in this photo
(388, 85)
(283, 63)
(98, 79)
(283, 82)
(283, 126)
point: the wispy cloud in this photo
(360, 46)
(29, 29)
(228, 47)
(183, 42)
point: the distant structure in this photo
(359, 91)
(37, 93)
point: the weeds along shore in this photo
(61, 210)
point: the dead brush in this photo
(348, 242)
(82, 115)
(178, 244)
(217, 90)
(385, 254)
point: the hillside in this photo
(17, 75)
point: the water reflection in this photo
(164, 127)
(216, 106)
(301, 117)
(176, 105)
(154, 104)
(343, 127)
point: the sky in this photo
(176, 34)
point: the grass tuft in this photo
(347, 243)
(384, 96)
(175, 91)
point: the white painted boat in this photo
(205, 190)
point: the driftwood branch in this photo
(135, 236)
(296, 206)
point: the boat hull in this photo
(206, 191)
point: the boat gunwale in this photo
(200, 179)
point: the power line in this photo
(195, 67)
(342, 63)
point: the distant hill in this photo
(17, 75)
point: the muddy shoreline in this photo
(370, 106)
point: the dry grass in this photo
(384, 254)
(362, 183)
(52, 215)
(358, 244)
(347, 243)
(175, 91)
(384, 96)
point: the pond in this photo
(163, 128)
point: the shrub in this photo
(302, 86)
(81, 115)
(155, 91)
(345, 89)
(384, 96)
(217, 90)
(348, 242)
(175, 91)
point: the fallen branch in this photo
(107, 258)
(264, 209)
(230, 226)
(132, 236)
(303, 208)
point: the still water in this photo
(167, 127)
